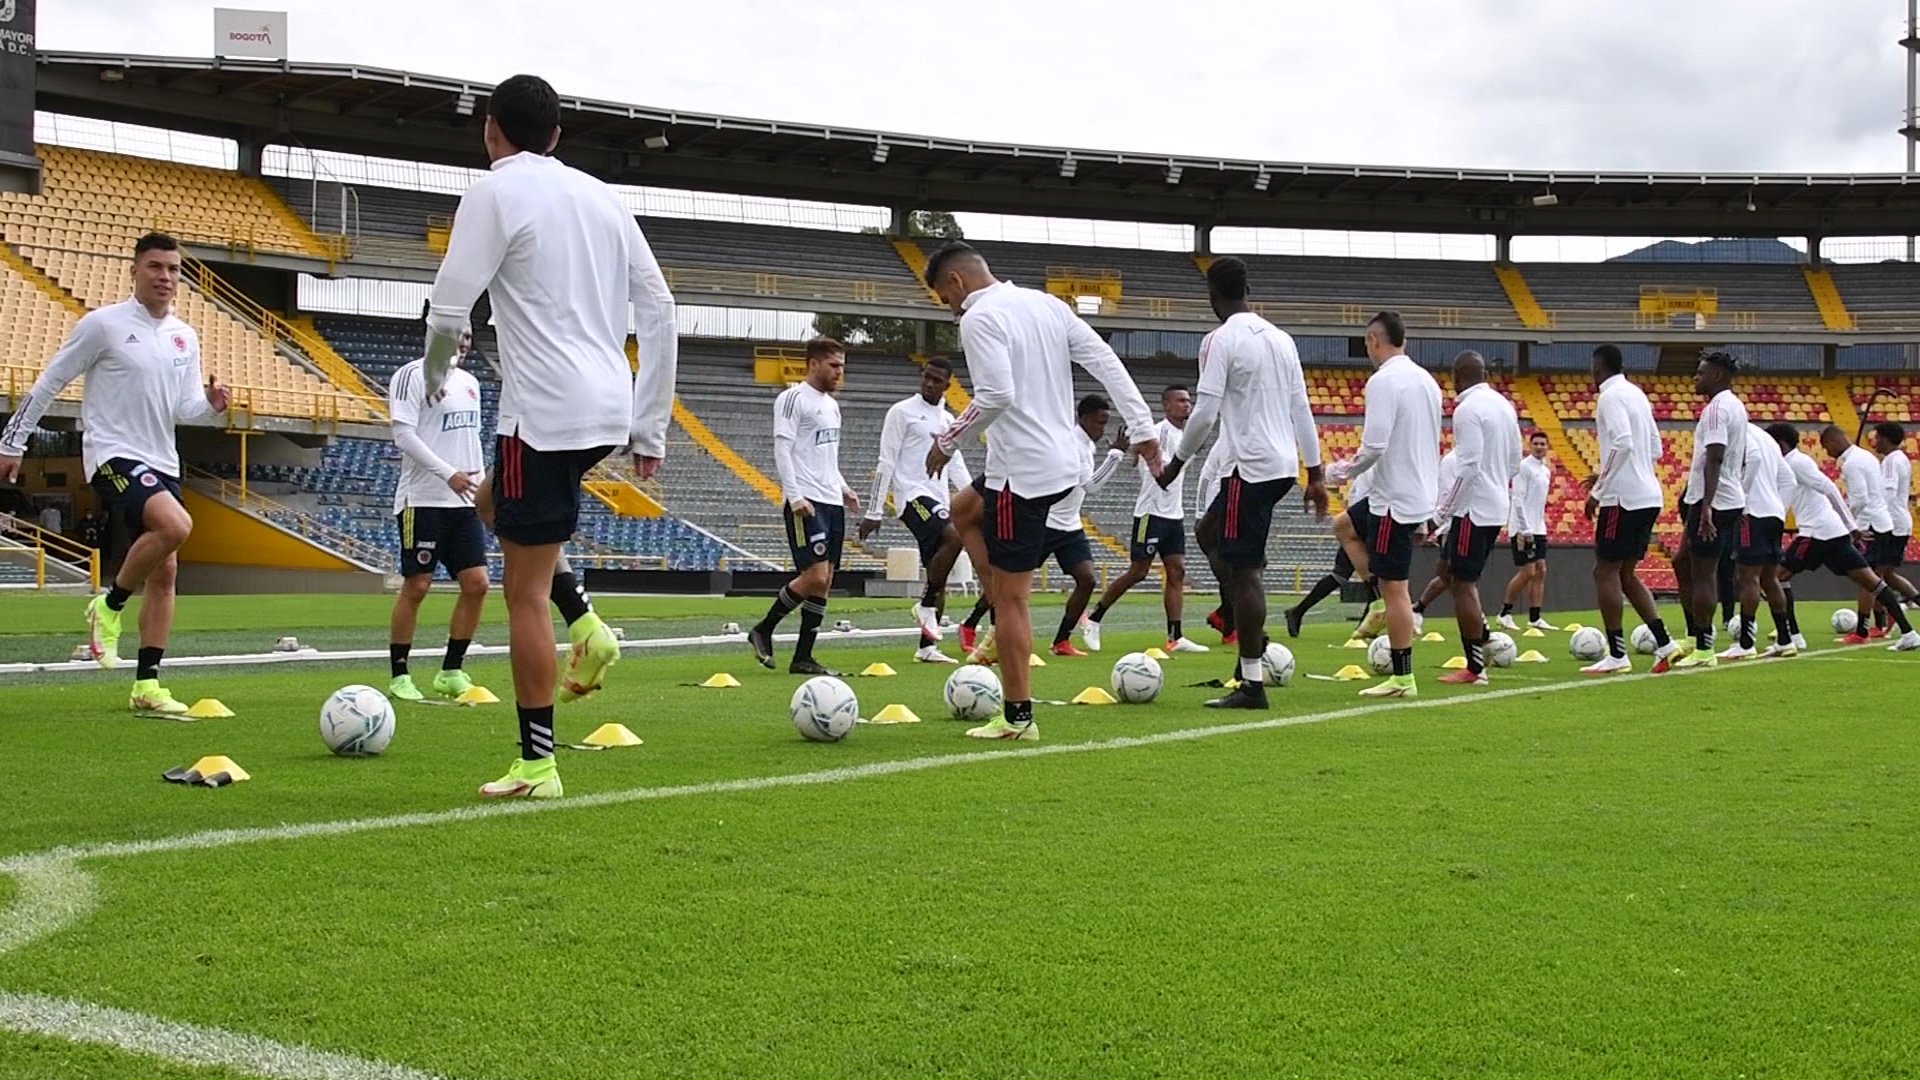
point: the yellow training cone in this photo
(1455, 664)
(1093, 695)
(1572, 626)
(1350, 673)
(878, 668)
(1356, 643)
(1434, 635)
(210, 709)
(894, 714)
(207, 766)
(1157, 653)
(719, 679)
(1033, 660)
(1531, 656)
(612, 735)
(477, 695)
(1534, 631)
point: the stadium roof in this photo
(397, 114)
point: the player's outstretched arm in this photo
(475, 251)
(1087, 349)
(75, 355)
(657, 336)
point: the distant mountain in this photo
(1726, 250)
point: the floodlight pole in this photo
(1910, 129)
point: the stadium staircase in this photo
(32, 556)
(1520, 295)
(1528, 389)
(290, 339)
(916, 261)
(236, 525)
(1840, 407)
(1826, 295)
(704, 438)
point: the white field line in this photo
(53, 892)
(188, 1043)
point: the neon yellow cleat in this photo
(150, 699)
(527, 780)
(999, 728)
(451, 684)
(103, 632)
(1395, 686)
(402, 689)
(594, 651)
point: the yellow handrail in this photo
(71, 552)
(279, 330)
(324, 409)
(311, 527)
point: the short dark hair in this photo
(1890, 431)
(1173, 388)
(936, 262)
(1833, 429)
(1093, 403)
(154, 241)
(940, 363)
(527, 111)
(1227, 278)
(1536, 433)
(1611, 359)
(1785, 434)
(822, 347)
(1391, 327)
(1722, 359)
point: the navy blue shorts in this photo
(1623, 536)
(1068, 548)
(1759, 542)
(1888, 550)
(1243, 510)
(451, 536)
(1466, 548)
(1389, 543)
(928, 521)
(1016, 526)
(536, 493)
(1837, 555)
(1156, 537)
(817, 537)
(124, 486)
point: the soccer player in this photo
(1486, 446)
(1159, 531)
(1442, 582)
(1021, 346)
(1067, 541)
(440, 466)
(1400, 448)
(1343, 567)
(1253, 387)
(806, 451)
(1867, 499)
(1896, 475)
(142, 369)
(1624, 500)
(1757, 552)
(1712, 505)
(1825, 537)
(1527, 532)
(921, 500)
(564, 263)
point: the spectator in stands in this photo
(93, 529)
(50, 518)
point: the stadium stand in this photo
(1762, 294)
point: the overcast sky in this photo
(1765, 85)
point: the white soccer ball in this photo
(1845, 621)
(1643, 640)
(1501, 649)
(1588, 643)
(824, 709)
(1380, 655)
(1277, 664)
(973, 693)
(1136, 678)
(356, 721)
(1733, 626)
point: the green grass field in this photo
(1695, 875)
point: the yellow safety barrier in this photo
(277, 329)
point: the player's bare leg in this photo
(1246, 594)
(969, 521)
(401, 625)
(1399, 605)
(1880, 592)
(1472, 621)
(1173, 598)
(1077, 601)
(453, 681)
(150, 566)
(1136, 572)
(1013, 628)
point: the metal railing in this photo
(76, 557)
(240, 496)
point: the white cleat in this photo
(1908, 642)
(1419, 623)
(1609, 665)
(929, 621)
(1777, 651)
(1800, 643)
(1507, 623)
(1186, 645)
(931, 654)
(1738, 653)
(1090, 635)
(1542, 624)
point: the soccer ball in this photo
(1276, 663)
(1643, 640)
(1136, 678)
(1500, 649)
(1845, 621)
(1588, 643)
(1380, 655)
(824, 709)
(356, 721)
(1733, 627)
(973, 693)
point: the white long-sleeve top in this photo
(1400, 443)
(564, 263)
(905, 437)
(1486, 448)
(1064, 515)
(1896, 474)
(1819, 510)
(1154, 500)
(806, 446)
(436, 438)
(1252, 384)
(1860, 472)
(1629, 439)
(1762, 468)
(1527, 514)
(143, 377)
(1021, 346)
